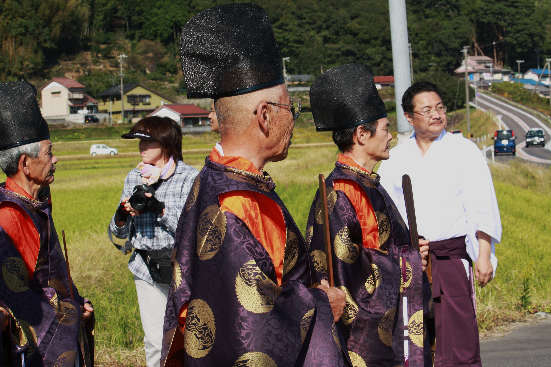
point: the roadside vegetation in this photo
(517, 93)
(86, 192)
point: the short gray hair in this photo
(9, 158)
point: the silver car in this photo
(102, 149)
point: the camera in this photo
(143, 203)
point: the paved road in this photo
(519, 121)
(525, 346)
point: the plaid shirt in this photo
(151, 232)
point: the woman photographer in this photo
(152, 199)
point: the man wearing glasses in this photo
(456, 211)
(242, 292)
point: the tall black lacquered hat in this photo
(345, 97)
(20, 119)
(229, 50)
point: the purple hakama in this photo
(457, 341)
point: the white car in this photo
(96, 149)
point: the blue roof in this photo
(527, 81)
(539, 71)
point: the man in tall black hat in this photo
(241, 291)
(40, 307)
(374, 262)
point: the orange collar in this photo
(14, 187)
(233, 161)
(350, 162)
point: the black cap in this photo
(229, 50)
(345, 97)
(20, 119)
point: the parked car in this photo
(100, 149)
(535, 136)
(90, 119)
(504, 142)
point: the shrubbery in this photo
(517, 93)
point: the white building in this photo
(65, 99)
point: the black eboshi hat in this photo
(229, 50)
(20, 119)
(345, 97)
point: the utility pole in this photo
(121, 61)
(400, 62)
(284, 68)
(410, 62)
(518, 67)
(467, 107)
(548, 64)
(495, 58)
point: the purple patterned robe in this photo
(374, 280)
(45, 318)
(237, 315)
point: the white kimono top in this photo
(452, 190)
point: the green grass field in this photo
(86, 192)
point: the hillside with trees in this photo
(45, 38)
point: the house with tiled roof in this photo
(62, 97)
(138, 101)
(190, 117)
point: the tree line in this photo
(315, 34)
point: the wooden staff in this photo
(412, 221)
(326, 232)
(67, 262)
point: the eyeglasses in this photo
(294, 107)
(441, 109)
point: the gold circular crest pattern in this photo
(193, 193)
(373, 280)
(211, 230)
(254, 359)
(383, 223)
(200, 331)
(176, 275)
(66, 359)
(356, 359)
(15, 274)
(255, 291)
(54, 301)
(404, 284)
(319, 261)
(305, 323)
(345, 249)
(385, 327)
(291, 252)
(415, 328)
(350, 307)
(331, 200)
(309, 234)
(67, 313)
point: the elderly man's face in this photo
(282, 126)
(42, 168)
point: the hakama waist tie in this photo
(457, 341)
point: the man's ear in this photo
(361, 135)
(23, 164)
(263, 117)
(409, 117)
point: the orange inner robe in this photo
(359, 200)
(20, 228)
